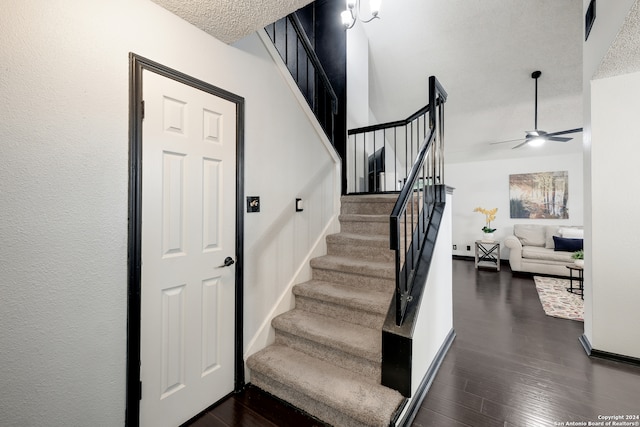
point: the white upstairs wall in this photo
(486, 184)
(64, 91)
(611, 86)
(357, 102)
(359, 115)
(358, 78)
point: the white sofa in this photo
(532, 248)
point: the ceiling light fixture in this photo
(537, 142)
(352, 14)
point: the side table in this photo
(579, 278)
(488, 254)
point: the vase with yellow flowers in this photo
(489, 215)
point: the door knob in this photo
(227, 262)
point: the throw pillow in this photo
(567, 245)
(530, 234)
(572, 233)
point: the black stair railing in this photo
(422, 191)
(297, 52)
(379, 157)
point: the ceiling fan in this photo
(538, 137)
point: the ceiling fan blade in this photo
(536, 137)
(509, 140)
(564, 132)
(520, 145)
(558, 139)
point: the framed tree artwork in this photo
(539, 195)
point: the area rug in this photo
(557, 301)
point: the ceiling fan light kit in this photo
(536, 138)
(536, 142)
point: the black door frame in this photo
(136, 110)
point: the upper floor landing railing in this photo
(297, 52)
(379, 157)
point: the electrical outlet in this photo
(468, 247)
(455, 247)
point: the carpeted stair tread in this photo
(350, 338)
(370, 198)
(333, 386)
(375, 240)
(357, 299)
(364, 218)
(384, 270)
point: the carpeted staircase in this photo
(326, 359)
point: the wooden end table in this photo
(488, 254)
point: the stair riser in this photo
(367, 208)
(347, 314)
(375, 208)
(354, 280)
(366, 228)
(370, 371)
(367, 253)
(304, 402)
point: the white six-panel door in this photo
(188, 229)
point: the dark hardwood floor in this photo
(254, 408)
(510, 365)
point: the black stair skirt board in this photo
(426, 382)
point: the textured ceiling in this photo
(623, 56)
(483, 52)
(230, 20)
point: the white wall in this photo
(64, 177)
(357, 78)
(609, 19)
(357, 106)
(614, 114)
(435, 316)
(359, 114)
(435, 319)
(486, 184)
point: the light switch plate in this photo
(253, 204)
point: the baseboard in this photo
(472, 258)
(585, 344)
(591, 352)
(414, 405)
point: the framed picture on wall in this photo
(541, 195)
